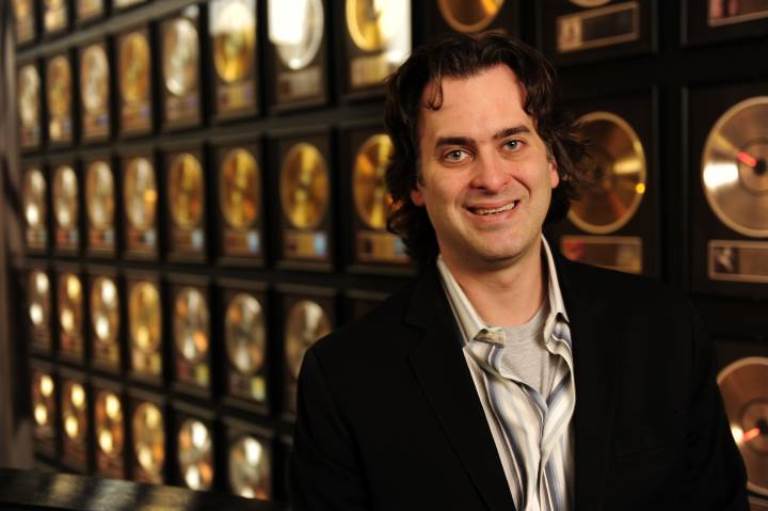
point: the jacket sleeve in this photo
(325, 472)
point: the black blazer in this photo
(389, 418)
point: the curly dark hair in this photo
(462, 56)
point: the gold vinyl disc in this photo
(196, 454)
(186, 192)
(304, 186)
(140, 193)
(296, 46)
(59, 84)
(22, 9)
(29, 95)
(100, 194)
(180, 56)
(191, 325)
(245, 334)
(134, 68)
(735, 167)
(234, 40)
(369, 186)
(43, 400)
(469, 16)
(144, 317)
(307, 322)
(39, 299)
(250, 472)
(65, 197)
(372, 24)
(618, 176)
(149, 438)
(110, 434)
(34, 198)
(744, 387)
(105, 310)
(240, 189)
(70, 304)
(74, 411)
(94, 79)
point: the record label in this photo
(148, 443)
(469, 16)
(195, 455)
(250, 471)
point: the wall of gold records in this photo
(200, 196)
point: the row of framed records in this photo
(191, 200)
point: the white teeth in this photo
(495, 211)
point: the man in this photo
(505, 377)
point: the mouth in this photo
(483, 211)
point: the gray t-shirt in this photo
(525, 355)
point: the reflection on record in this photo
(369, 187)
(304, 186)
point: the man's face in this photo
(485, 177)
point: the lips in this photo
(486, 211)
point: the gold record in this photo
(43, 400)
(240, 189)
(234, 40)
(59, 84)
(372, 24)
(369, 186)
(70, 304)
(250, 473)
(735, 168)
(22, 9)
(110, 434)
(140, 193)
(34, 198)
(134, 67)
(74, 411)
(29, 96)
(307, 322)
(180, 56)
(65, 197)
(105, 310)
(100, 193)
(618, 175)
(39, 288)
(469, 15)
(744, 387)
(186, 192)
(94, 79)
(589, 3)
(196, 454)
(149, 439)
(304, 186)
(245, 334)
(144, 317)
(296, 29)
(191, 325)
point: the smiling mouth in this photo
(495, 211)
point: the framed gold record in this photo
(140, 203)
(105, 318)
(59, 97)
(65, 201)
(94, 93)
(250, 466)
(38, 308)
(195, 446)
(185, 182)
(34, 197)
(44, 410)
(134, 71)
(24, 15)
(145, 328)
(441, 17)
(70, 313)
(74, 421)
(191, 325)
(109, 429)
(100, 208)
(148, 451)
(55, 16)
(87, 11)
(180, 69)
(29, 101)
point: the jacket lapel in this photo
(441, 369)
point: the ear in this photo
(554, 177)
(416, 196)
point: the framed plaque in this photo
(94, 93)
(124, 4)
(109, 429)
(44, 408)
(187, 190)
(191, 328)
(241, 207)
(304, 185)
(367, 152)
(249, 460)
(234, 47)
(180, 69)
(709, 22)
(25, 14)
(297, 53)
(104, 299)
(445, 16)
(615, 221)
(134, 73)
(730, 206)
(245, 333)
(65, 198)
(59, 98)
(30, 118)
(140, 204)
(377, 39)
(145, 327)
(74, 421)
(588, 30)
(309, 314)
(149, 447)
(71, 310)
(34, 197)
(55, 16)
(38, 288)
(100, 204)
(87, 11)
(195, 447)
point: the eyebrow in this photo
(467, 141)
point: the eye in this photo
(455, 156)
(513, 145)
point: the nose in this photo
(491, 173)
